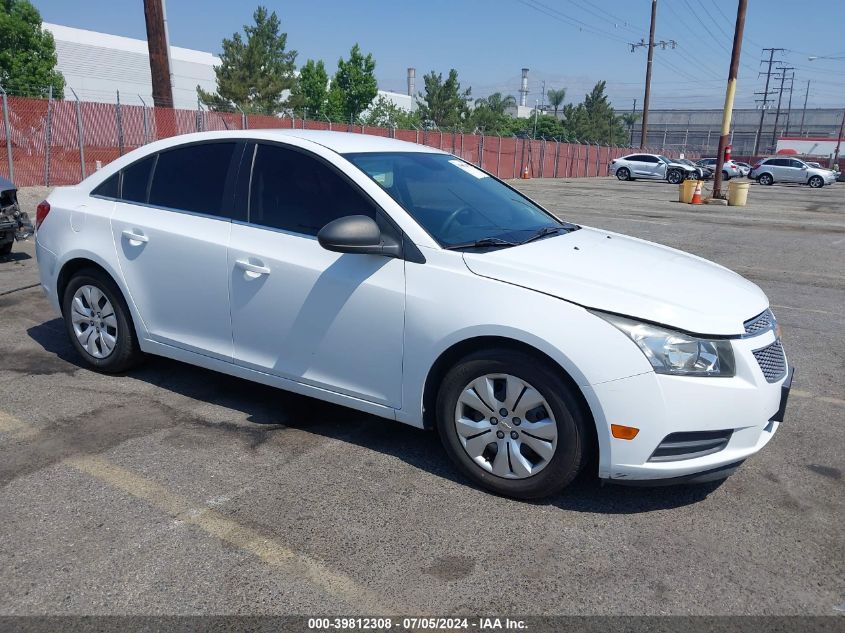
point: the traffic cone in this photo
(696, 196)
(525, 174)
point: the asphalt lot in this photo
(175, 490)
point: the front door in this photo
(171, 233)
(301, 312)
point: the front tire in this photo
(99, 323)
(674, 177)
(623, 173)
(511, 424)
(6, 248)
(816, 182)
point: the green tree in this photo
(255, 70)
(27, 51)
(384, 113)
(603, 124)
(311, 91)
(443, 102)
(354, 86)
(556, 98)
(490, 113)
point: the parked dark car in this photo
(14, 223)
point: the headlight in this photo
(676, 353)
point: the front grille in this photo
(772, 361)
(689, 445)
(760, 323)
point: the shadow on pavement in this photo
(273, 407)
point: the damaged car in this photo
(14, 223)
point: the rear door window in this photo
(136, 180)
(193, 178)
(109, 188)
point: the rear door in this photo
(171, 232)
(778, 168)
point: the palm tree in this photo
(496, 102)
(556, 98)
(630, 119)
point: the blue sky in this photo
(566, 43)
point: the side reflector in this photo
(623, 432)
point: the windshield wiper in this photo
(485, 241)
(546, 230)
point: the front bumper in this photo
(748, 407)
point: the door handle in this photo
(252, 268)
(135, 237)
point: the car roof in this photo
(340, 142)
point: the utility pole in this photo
(782, 71)
(633, 122)
(765, 93)
(789, 105)
(838, 141)
(159, 53)
(644, 131)
(804, 109)
(729, 96)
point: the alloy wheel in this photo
(506, 426)
(94, 321)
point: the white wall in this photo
(97, 65)
(810, 146)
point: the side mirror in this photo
(803, 167)
(357, 234)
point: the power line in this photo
(562, 17)
(604, 16)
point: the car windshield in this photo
(664, 159)
(457, 203)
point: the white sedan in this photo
(651, 167)
(402, 281)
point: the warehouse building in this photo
(98, 66)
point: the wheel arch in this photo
(73, 266)
(80, 261)
(451, 355)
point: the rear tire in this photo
(524, 474)
(816, 182)
(765, 179)
(725, 176)
(623, 173)
(6, 249)
(105, 318)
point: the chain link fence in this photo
(60, 142)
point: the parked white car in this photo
(729, 168)
(651, 167)
(402, 281)
(785, 169)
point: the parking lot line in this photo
(806, 394)
(10, 425)
(779, 307)
(244, 538)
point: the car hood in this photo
(607, 271)
(682, 166)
